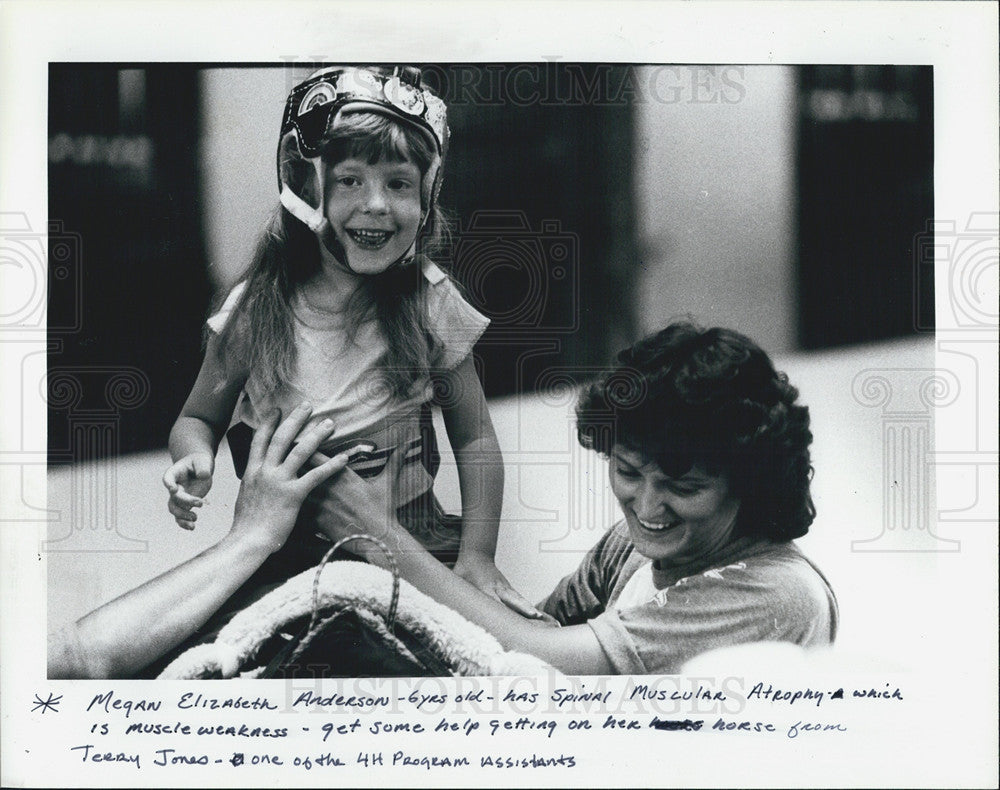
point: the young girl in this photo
(339, 309)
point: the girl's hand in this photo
(188, 481)
(481, 572)
(272, 491)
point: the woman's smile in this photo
(653, 526)
(672, 520)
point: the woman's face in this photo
(672, 520)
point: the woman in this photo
(709, 460)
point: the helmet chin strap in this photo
(328, 242)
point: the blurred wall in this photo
(127, 284)
(241, 115)
(715, 191)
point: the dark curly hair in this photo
(710, 398)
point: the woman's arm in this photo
(354, 504)
(574, 650)
(132, 631)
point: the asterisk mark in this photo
(50, 703)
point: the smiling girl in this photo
(343, 308)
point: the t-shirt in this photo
(651, 621)
(335, 374)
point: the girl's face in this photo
(672, 520)
(374, 211)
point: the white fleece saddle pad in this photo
(465, 648)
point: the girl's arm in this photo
(355, 504)
(197, 432)
(132, 631)
(207, 410)
(480, 476)
(477, 455)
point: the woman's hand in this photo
(188, 480)
(272, 491)
(352, 504)
(480, 571)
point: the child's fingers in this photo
(173, 472)
(281, 440)
(181, 513)
(262, 438)
(184, 499)
(187, 469)
(306, 446)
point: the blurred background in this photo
(592, 204)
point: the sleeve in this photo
(578, 596)
(455, 322)
(584, 593)
(218, 321)
(741, 603)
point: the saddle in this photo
(350, 619)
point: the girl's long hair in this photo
(259, 336)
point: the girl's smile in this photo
(370, 238)
(374, 211)
(672, 520)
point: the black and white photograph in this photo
(428, 413)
